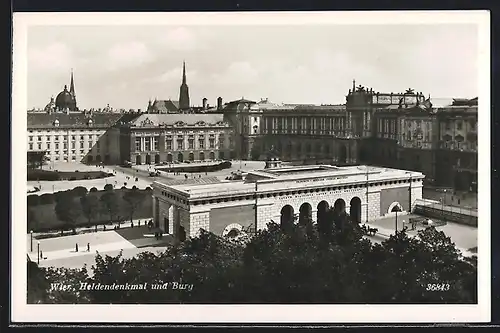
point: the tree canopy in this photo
(294, 263)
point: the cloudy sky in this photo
(124, 66)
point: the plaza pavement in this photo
(61, 251)
(464, 236)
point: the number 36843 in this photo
(437, 287)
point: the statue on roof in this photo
(360, 88)
(410, 91)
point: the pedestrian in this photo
(76, 247)
(459, 201)
(41, 254)
(88, 247)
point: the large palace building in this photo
(281, 195)
(397, 130)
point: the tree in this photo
(44, 285)
(134, 199)
(296, 265)
(68, 211)
(79, 191)
(90, 206)
(33, 219)
(110, 204)
(36, 159)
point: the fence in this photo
(438, 210)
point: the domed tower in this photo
(66, 100)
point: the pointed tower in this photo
(72, 89)
(184, 91)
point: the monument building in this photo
(283, 195)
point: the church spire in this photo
(183, 72)
(184, 90)
(72, 84)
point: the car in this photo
(127, 164)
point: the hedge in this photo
(198, 168)
(49, 175)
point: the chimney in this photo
(219, 103)
(204, 103)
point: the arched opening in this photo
(342, 154)
(180, 157)
(90, 159)
(395, 207)
(138, 160)
(191, 156)
(148, 159)
(287, 215)
(211, 156)
(98, 159)
(305, 213)
(355, 209)
(339, 206)
(170, 158)
(322, 213)
(157, 159)
(202, 156)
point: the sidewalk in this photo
(102, 248)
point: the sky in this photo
(125, 66)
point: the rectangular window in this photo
(65, 145)
(459, 125)
(73, 158)
(31, 146)
(180, 144)
(147, 144)
(39, 138)
(31, 138)
(57, 146)
(137, 144)
(57, 137)
(91, 144)
(169, 144)
(72, 145)
(48, 145)
(73, 152)
(73, 137)
(155, 143)
(447, 125)
(201, 143)
(81, 152)
(191, 143)
(211, 143)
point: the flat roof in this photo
(291, 177)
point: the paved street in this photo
(462, 235)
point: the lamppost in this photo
(396, 225)
(31, 241)
(38, 254)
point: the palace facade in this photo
(399, 130)
(159, 138)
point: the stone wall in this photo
(220, 218)
(388, 196)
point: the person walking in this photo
(88, 247)
(76, 247)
